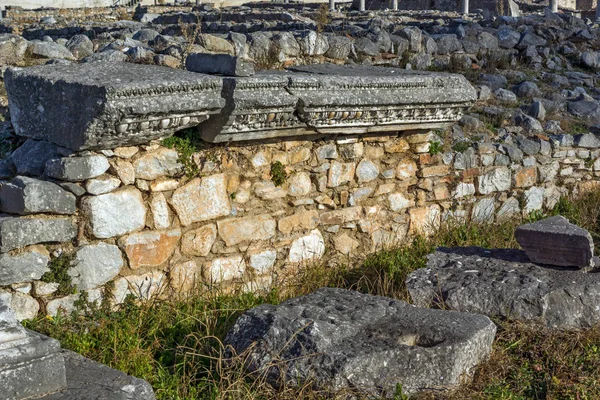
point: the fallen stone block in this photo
(341, 340)
(504, 283)
(31, 365)
(104, 105)
(17, 232)
(221, 64)
(556, 241)
(25, 195)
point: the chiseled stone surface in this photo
(76, 169)
(237, 230)
(202, 199)
(94, 265)
(556, 241)
(31, 365)
(87, 379)
(344, 340)
(116, 213)
(83, 106)
(504, 283)
(150, 248)
(27, 265)
(24, 195)
(18, 232)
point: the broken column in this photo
(556, 241)
(554, 6)
(335, 339)
(464, 7)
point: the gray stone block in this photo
(504, 283)
(29, 196)
(345, 340)
(87, 379)
(31, 157)
(77, 169)
(30, 364)
(27, 265)
(106, 105)
(220, 64)
(17, 232)
(556, 241)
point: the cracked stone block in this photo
(505, 283)
(343, 340)
(84, 106)
(556, 241)
(77, 169)
(25, 195)
(17, 232)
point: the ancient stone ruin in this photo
(544, 282)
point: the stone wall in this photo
(252, 214)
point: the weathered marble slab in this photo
(342, 340)
(30, 364)
(106, 105)
(504, 283)
(337, 100)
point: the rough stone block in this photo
(17, 232)
(504, 283)
(94, 265)
(27, 265)
(307, 248)
(236, 230)
(30, 364)
(198, 242)
(114, 214)
(106, 105)
(341, 340)
(150, 249)
(31, 157)
(220, 64)
(77, 169)
(556, 241)
(202, 199)
(224, 269)
(25, 195)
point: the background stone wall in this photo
(136, 219)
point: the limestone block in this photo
(143, 287)
(151, 248)
(25, 195)
(158, 163)
(307, 248)
(262, 261)
(224, 269)
(115, 214)
(299, 184)
(483, 211)
(558, 298)
(18, 232)
(161, 214)
(27, 265)
(236, 230)
(304, 220)
(425, 220)
(185, 276)
(345, 244)
(406, 169)
(94, 265)
(102, 185)
(76, 169)
(202, 199)
(24, 306)
(556, 241)
(399, 201)
(366, 171)
(327, 336)
(534, 199)
(342, 216)
(497, 180)
(198, 242)
(464, 190)
(83, 106)
(124, 170)
(340, 173)
(525, 177)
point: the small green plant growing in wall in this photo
(461, 146)
(435, 148)
(185, 148)
(58, 273)
(278, 174)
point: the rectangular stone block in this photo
(30, 364)
(105, 105)
(221, 64)
(17, 232)
(556, 241)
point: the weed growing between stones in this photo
(177, 344)
(278, 174)
(435, 148)
(58, 273)
(184, 144)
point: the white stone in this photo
(143, 287)
(497, 180)
(366, 171)
(225, 269)
(102, 185)
(161, 214)
(157, 163)
(534, 199)
(483, 211)
(24, 306)
(509, 209)
(115, 214)
(399, 202)
(307, 248)
(263, 261)
(66, 305)
(95, 264)
(299, 184)
(463, 190)
(202, 199)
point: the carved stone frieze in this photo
(105, 105)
